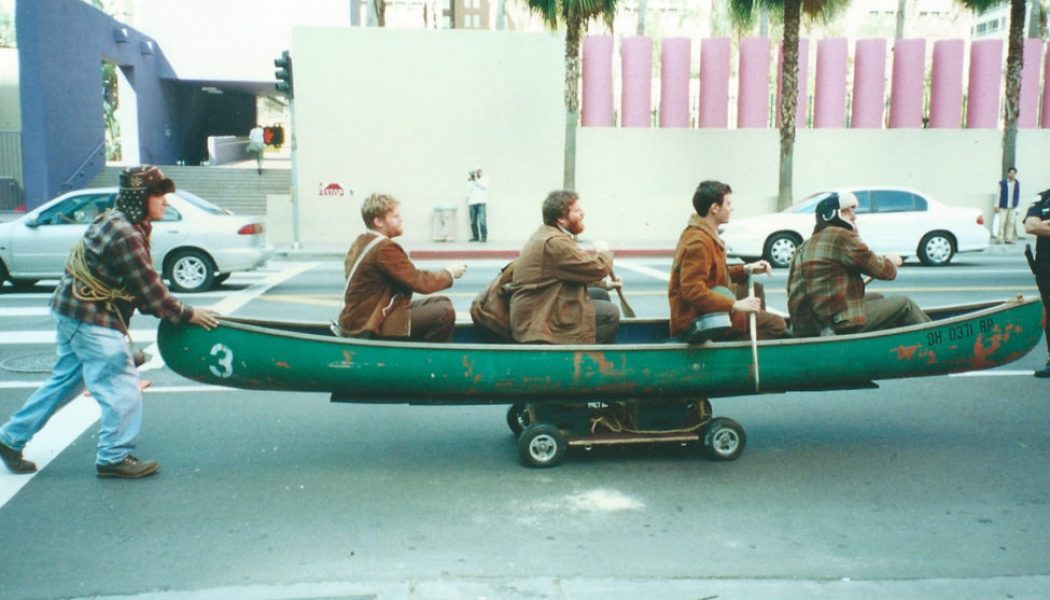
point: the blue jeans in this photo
(478, 223)
(100, 358)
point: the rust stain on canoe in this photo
(468, 369)
(606, 368)
(983, 352)
(915, 352)
(282, 364)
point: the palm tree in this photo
(742, 12)
(1014, 63)
(575, 14)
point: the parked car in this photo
(890, 220)
(195, 246)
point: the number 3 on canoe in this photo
(225, 361)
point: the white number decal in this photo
(225, 366)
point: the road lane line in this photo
(71, 421)
(643, 270)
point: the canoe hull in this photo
(301, 357)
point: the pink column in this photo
(869, 83)
(946, 84)
(803, 77)
(1033, 56)
(674, 82)
(1046, 96)
(636, 60)
(597, 81)
(714, 83)
(829, 98)
(986, 73)
(909, 81)
(752, 102)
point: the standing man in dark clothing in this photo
(109, 274)
(1006, 207)
(1037, 223)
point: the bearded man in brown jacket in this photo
(380, 280)
(700, 265)
(550, 302)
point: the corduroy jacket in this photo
(699, 265)
(376, 300)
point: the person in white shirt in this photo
(477, 198)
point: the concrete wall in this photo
(411, 112)
(10, 113)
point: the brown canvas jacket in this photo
(491, 307)
(699, 265)
(549, 302)
(376, 301)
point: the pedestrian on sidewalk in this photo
(477, 199)
(257, 146)
(109, 274)
(1037, 223)
(1005, 228)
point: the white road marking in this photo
(70, 422)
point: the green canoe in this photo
(644, 365)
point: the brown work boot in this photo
(14, 462)
(129, 468)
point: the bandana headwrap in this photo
(829, 208)
(137, 184)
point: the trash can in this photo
(444, 223)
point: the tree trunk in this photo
(501, 15)
(640, 29)
(572, 99)
(763, 21)
(788, 101)
(1014, 63)
(900, 18)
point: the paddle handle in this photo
(624, 306)
(752, 321)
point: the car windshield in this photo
(201, 203)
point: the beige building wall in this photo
(410, 112)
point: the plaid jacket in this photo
(825, 284)
(117, 253)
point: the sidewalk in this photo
(506, 250)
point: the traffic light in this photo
(284, 73)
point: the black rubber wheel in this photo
(723, 439)
(517, 418)
(190, 271)
(3, 272)
(780, 248)
(221, 278)
(936, 249)
(541, 445)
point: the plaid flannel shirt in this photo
(117, 252)
(825, 284)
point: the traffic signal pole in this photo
(283, 73)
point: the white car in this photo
(195, 246)
(890, 220)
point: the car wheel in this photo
(24, 284)
(3, 272)
(723, 439)
(221, 278)
(541, 445)
(190, 271)
(780, 248)
(936, 249)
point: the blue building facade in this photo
(62, 46)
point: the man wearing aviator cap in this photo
(109, 274)
(826, 286)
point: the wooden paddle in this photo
(752, 320)
(624, 306)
